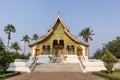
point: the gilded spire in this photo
(58, 13)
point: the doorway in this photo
(58, 47)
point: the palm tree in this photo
(26, 39)
(8, 29)
(35, 37)
(86, 34)
(15, 46)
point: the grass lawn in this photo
(114, 76)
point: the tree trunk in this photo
(7, 45)
(8, 41)
(24, 47)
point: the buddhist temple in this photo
(58, 51)
(58, 41)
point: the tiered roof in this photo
(66, 30)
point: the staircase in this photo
(43, 59)
(57, 67)
(72, 59)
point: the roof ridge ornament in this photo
(59, 13)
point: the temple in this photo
(58, 45)
(59, 41)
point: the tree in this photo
(98, 54)
(15, 46)
(113, 46)
(86, 34)
(8, 29)
(1, 43)
(5, 59)
(26, 39)
(109, 60)
(2, 46)
(35, 37)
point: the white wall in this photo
(33, 51)
(84, 52)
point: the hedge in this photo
(9, 74)
(104, 74)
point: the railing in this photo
(50, 58)
(82, 65)
(32, 63)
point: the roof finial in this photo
(58, 13)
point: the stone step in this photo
(57, 67)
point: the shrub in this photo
(109, 60)
(24, 56)
(5, 59)
(103, 74)
(117, 70)
(20, 56)
(9, 74)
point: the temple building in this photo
(58, 45)
(58, 40)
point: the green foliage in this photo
(26, 39)
(5, 59)
(105, 75)
(24, 56)
(9, 74)
(8, 29)
(98, 54)
(86, 34)
(108, 57)
(109, 60)
(15, 46)
(2, 50)
(113, 46)
(1, 44)
(20, 56)
(35, 37)
(117, 70)
(29, 54)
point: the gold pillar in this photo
(75, 50)
(51, 51)
(64, 50)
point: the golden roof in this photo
(66, 30)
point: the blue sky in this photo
(36, 16)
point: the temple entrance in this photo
(37, 52)
(58, 47)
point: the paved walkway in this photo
(56, 76)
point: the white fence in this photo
(97, 65)
(21, 65)
(28, 65)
